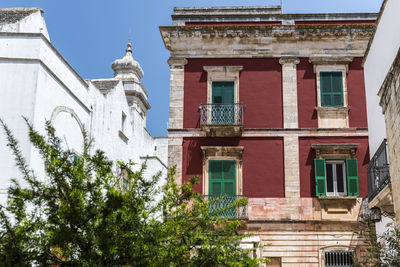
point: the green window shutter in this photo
(352, 177)
(223, 92)
(331, 84)
(337, 89)
(320, 181)
(217, 93)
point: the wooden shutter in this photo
(222, 176)
(217, 93)
(320, 181)
(331, 85)
(337, 88)
(215, 177)
(352, 177)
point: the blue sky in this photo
(91, 34)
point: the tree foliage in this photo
(81, 215)
(382, 250)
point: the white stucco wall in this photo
(380, 57)
(38, 83)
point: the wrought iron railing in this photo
(227, 206)
(378, 174)
(221, 114)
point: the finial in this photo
(129, 48)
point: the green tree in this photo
(383, 250)
(82, 215)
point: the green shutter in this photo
(352, 177)
(223, 92)
(331, 84)
(222, 174)
(320, 181)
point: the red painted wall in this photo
(356, 94)
(307, 94)
(307, 156)
(260, 90)
(263, 168)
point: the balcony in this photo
(224, 206)
(378, 178)
(222, 120)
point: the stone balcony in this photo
(222, 120)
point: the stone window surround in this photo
(331, 68)
(223, 153)
(332, 64)
(222, 74)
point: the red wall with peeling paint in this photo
(263, 167)
(260, 89)
(307, 156)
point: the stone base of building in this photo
(303, 243)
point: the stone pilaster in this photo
(177, 71)
(292, 175)
(289, 91)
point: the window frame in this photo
(223, 74)
(225, 153)
(335, 192)
(331, 68)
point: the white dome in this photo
(127, 67)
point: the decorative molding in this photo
(224, 69)
(289, 32)
(330, 63)
(177, 62)
(289, 60)
(59, 109)
(327, 150)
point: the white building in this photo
(380, 67)
(38, 83)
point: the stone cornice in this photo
(294, 32)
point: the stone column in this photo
(177, 71)
(291, 141)
(289, 91)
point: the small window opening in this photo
(123, 122)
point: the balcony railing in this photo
(225, 206)
(221, 114)
(378, 171)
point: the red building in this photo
(271, 107)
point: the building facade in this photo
(382, 77)
(38, 83)
(271, 107)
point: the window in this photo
(331, 89)
(222, 177)
(123, 121)
(339, 258)
(223, 97)
(336, 177)
(222, 187)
